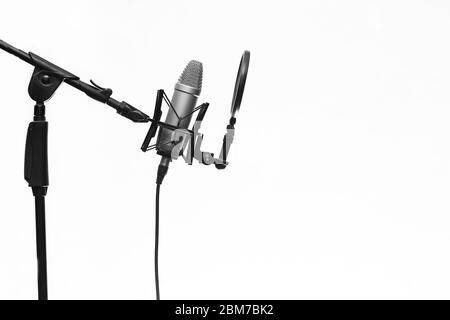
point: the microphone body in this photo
(184, 100)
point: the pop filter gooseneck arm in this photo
(44, 82)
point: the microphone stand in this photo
(44, 82)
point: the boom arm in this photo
(94, 91)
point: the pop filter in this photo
(240, 83)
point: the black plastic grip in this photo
(36, 155)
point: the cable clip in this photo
(104, 91)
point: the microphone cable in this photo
(162, 171)
(157, 240)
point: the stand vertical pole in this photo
(36, 173)
(41, 249)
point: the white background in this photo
(339, 176)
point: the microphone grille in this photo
(192, 75)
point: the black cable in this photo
(157, 241)
(162, 171)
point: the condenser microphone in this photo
(183, 102)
